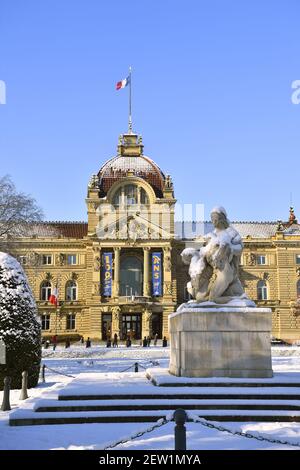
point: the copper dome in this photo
(127, 164)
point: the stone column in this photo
(117, 272)
(146, 287)
(115, 323)
(96, 286)
(139, 195)
(146, 322)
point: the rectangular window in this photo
(47, 259)
(45, 322)
(297, 259)
(72, 259)
(23, 260)
(71, 321)
(263, 293)
(261, 259)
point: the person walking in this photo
(145, 342)
(165, 342)
(54, 342)
(115, 341)
(88, 343)
(149, 341)
(155, 339)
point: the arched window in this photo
(71, 290)
(131, 276)
(45, 291)
(298, 289)
(130, 194)
(262, 290)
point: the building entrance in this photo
(131, 326)
(157, 325)
(106, 326)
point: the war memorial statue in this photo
(214, 269)
(221, 332)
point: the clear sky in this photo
(211, 97)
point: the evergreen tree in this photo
(19, 325)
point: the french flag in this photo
(53, 299)
(123, 83)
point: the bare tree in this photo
(17, 211)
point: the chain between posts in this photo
(57, 372)
(136, 366)
(161, 422)
(196, 419)
(248, 435)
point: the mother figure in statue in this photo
(214, 268)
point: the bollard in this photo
(24, 394)
(43, 373)
(180, 418)
(5, 403)
(136, 367)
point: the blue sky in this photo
(211, 97)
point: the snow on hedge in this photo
(19, 325)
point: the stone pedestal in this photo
(221, 342)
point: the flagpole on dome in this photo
(130, 117)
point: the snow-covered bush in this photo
(19, 325)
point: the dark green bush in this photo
(19, 325)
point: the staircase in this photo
(132, 397)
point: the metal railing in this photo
(134, 299)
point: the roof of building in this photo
(189, 230)
(121, 166)
(130, 161)
(59, 229)
(185, 230)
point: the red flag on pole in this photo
(53, 299)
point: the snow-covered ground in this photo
(78, 360)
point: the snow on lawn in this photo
(78, 360)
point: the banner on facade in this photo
(156, 274)
(107, 263)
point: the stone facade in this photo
(130, 207)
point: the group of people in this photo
(146, 342)
(54, 342)
(114, 343)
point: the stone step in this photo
(149, 407)
(227, 384)
(161, 377)
(31, 418)
(186, 396)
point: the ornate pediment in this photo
(130, 228)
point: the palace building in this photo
(121, 271)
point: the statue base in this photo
(221, 342)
